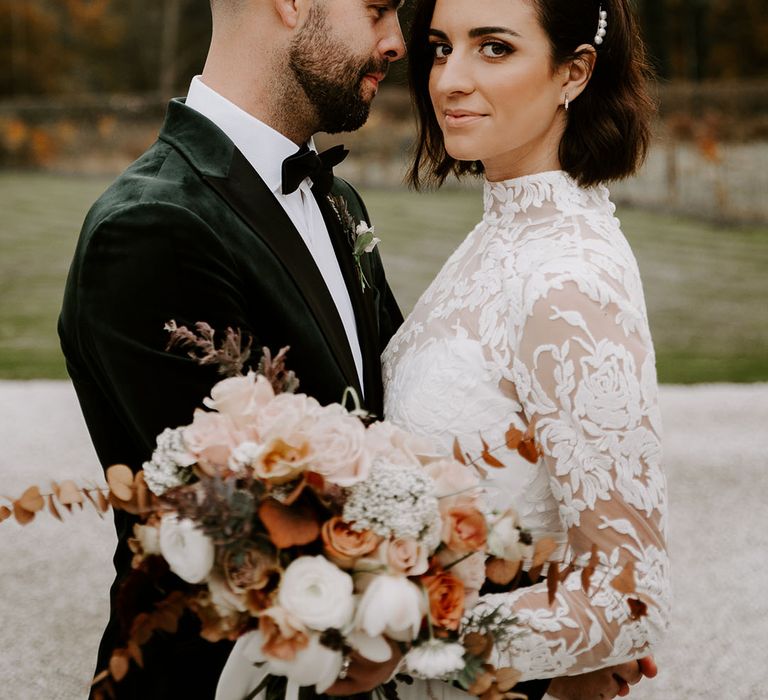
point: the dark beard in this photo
(331, 82)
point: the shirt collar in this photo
(263, 147)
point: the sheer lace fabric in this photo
(539, 317)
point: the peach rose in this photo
(470, 570)
(464, 527)
(281, 461)
(404, 556)
(282, 633)
(446, 599)
(241, 398)
(339, 448)
(343, 545)
(211, 438)
(453, 481)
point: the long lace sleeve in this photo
(584, 372)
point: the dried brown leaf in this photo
(22, 515)
(637, 608)
(92, 501)
(528, 450)
(542, 550)
(120, 480)
(289, 526)
(5, 513)
(625, 581)
(513, 436)
(69, 494)
(507, 678)
(491, 461)
(478, 644)
(534, 573)
(102, 500)
(134, 651)
(566, 572)
(99, 677)
(119, 664)
(482, 684)
(501, 571)
(31, 500)
(52, 507)
(553, 581)
(457, 453)
(589, 570)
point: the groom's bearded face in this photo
(332, 76)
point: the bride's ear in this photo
(578, 71)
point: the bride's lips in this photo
(461, 117)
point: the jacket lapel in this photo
(249, 196)
(362, 304)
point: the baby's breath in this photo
(171, 463)
(395, 501)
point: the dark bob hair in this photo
(608, 127)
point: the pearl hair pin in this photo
(602, 25)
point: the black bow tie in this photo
(316, 166)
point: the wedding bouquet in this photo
(311, 533)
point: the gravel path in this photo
(54, 577)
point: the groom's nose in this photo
(392, 44)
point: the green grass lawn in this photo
(706, 286)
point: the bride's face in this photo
(496, 95)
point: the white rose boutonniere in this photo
(361, 236)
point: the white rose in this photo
(391, 605)
(148, 537)
(188, 551)
(315, 665)
(435, 659)
(504, 540)
(318, 593)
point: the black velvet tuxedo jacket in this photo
(190, 232)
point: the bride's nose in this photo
(452, 77)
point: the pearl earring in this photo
(567, 102)
(602, 25)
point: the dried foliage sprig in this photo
(124, 491)
(230, 355)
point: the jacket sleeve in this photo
(140, 267)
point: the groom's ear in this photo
(292, 12)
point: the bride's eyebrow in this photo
(484, 31)
(437, 33)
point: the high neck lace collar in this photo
(542, 194)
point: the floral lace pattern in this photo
(539, 317)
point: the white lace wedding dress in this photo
(539, 316)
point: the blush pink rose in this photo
(453, 481)
(286, 415)
(398, 446)
(339, 449)
(211, 438)
(464, 526)
(470, 570)
(241, 398)
(403, 556)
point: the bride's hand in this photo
(364, 675)
(605, 683)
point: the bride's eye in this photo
(495, 49)
(440, 51)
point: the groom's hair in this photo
(608, 129)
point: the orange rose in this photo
(343, 545)
(446, 599)
(464, 528)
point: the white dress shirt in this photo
(266, 149)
